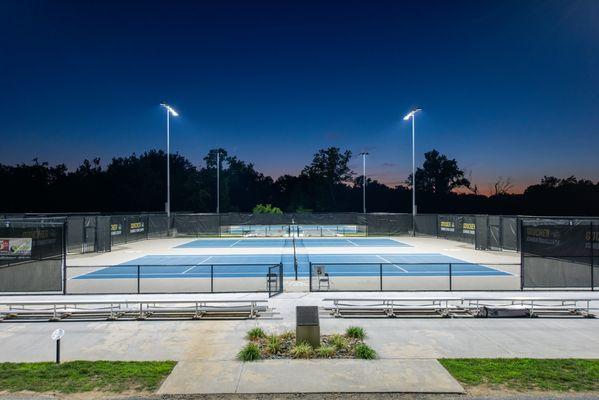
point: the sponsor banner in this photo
(469, 228)
(136, 227)
(447, 226)
(15, 247)
(116, 229)
(576, 241)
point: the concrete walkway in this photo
(396, 338)
(310, 376)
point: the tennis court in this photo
(288, 242)
(246, 264)
(240, 266)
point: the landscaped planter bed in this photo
(262, 346)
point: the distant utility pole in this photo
(364, 154)
(218, 181)
(169, 111)
(407, 117)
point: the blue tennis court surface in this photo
(242, 265)
(286, 242)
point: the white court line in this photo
(193, 266)
(395, 265)
(357, 245)
(100, 268)
(235, 243)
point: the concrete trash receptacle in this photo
(307, 328)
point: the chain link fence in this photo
(560, 253)
(32, 256)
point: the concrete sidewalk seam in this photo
(239, 377)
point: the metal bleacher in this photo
(131, 309)
(450, 307)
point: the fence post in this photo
(521, 226)
(592, 257)
(281, 277)
(381, 275)
(138, 279)
(64, 258)
(310, 275)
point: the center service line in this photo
(395, 265)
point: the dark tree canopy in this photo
(439, 174)
(137, 183)
(331, 165)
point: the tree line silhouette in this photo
(327, 184)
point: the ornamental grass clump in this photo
(302, 350)
(255, 334)
(364, 352)
(250, 352)
(355, 332)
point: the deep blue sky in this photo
(508, 88)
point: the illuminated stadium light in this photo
(411, 115)
(169, 111)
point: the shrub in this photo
(273, 344)
(338, 341)
(250, 352)
(289, 335)
(266, 209)
(325, 351)
(363, 351)
(355, 332)
(255, 334)
(302, 350)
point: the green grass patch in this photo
(84, 376)
(523, 374)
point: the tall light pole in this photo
(364, 154)
(218, 181)
(411, 115)
(169, 111)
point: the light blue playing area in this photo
(288, 242)
(244, 265)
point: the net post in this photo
(450, 277)
(212, 278)
(381, 276)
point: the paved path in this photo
(310, 376)
(221, 340)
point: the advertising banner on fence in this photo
(15, 247)
(570, 240)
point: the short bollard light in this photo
(56, 336)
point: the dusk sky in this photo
(508, 88)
